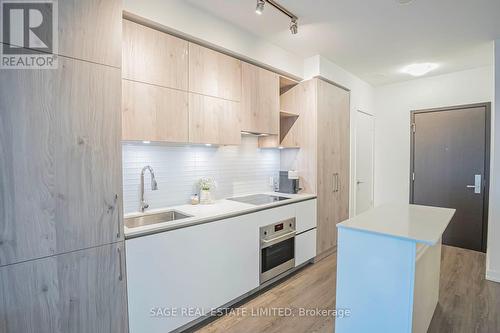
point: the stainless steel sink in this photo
(172, 215)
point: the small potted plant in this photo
(206, 187)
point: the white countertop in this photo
(220, 209)
(422, 224)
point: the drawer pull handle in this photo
(120, 276)
(118, 234)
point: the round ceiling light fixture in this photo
(404, 2)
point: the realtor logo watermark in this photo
(29, 34)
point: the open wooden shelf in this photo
(286, 114)
(286, 84)
(287, 121)
(272, 142)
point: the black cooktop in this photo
(259, 199)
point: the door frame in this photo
(355, 171)
(487, 148)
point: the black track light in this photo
(260, 7)
(294, 27)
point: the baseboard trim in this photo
(325, 254)
(492, 275)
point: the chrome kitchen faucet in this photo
(154, 185)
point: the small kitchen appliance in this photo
(289, 182)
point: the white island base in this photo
(388, 267)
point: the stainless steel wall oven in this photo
(277, 249)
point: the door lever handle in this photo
(477, 184)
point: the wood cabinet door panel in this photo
(60, 160)
(213, 73)
(88, 30)
(152, 113)
(91, 30)
(260, 100)
(76, 292)
(154, 57)
(213, 120)
(333, 162)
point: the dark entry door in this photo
(449, 169)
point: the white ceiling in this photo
(374, 39)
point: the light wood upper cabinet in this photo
(60, 159)
(79, 292)
(259, 100)
(154, 113)
(154, 57)
(89, 30)
(213, 120)
(215, 91)
(213, 73)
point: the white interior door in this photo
(364, 162)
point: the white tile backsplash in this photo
(236, 169)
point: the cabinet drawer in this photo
(305, 247)
(306, 214)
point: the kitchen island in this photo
(388, 267)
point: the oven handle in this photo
(269, 242)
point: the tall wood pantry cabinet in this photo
(62, 267)
(322, 133)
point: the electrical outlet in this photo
(271, 181)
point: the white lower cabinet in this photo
(176, 276)
(305, 247)
(306, 215)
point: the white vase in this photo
(205, 197)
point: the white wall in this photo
(493, 258)
(236, 169)
(362, 99)
(179, 16)
(392, 125)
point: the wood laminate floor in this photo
(467, 303)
